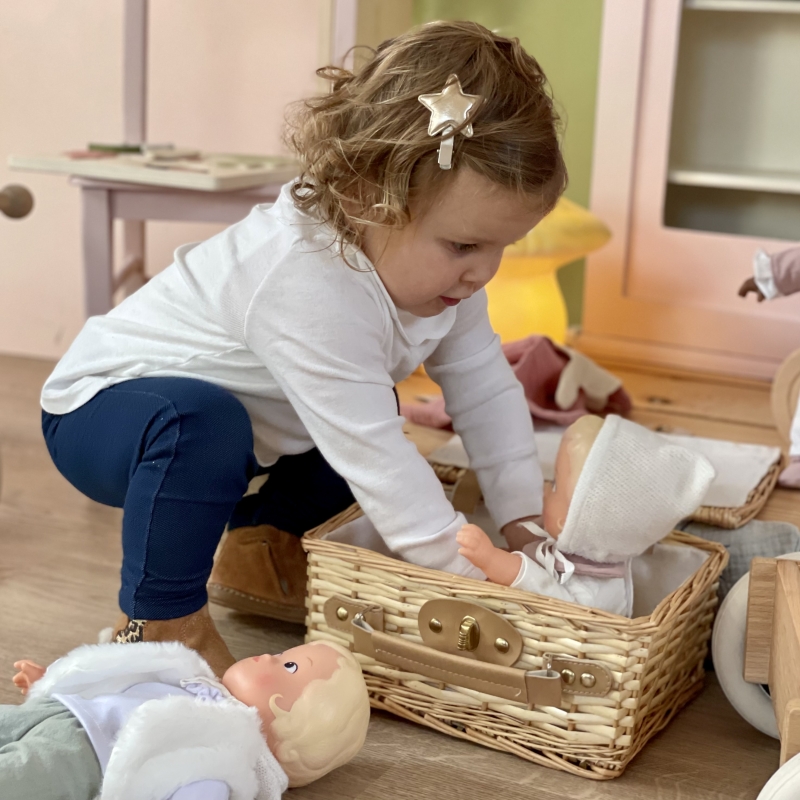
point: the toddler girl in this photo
(275, 345)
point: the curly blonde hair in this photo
(365, 147)
(326, 725)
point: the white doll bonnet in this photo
(633, 489)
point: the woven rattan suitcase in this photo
(555, 683)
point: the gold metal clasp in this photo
(469, 634)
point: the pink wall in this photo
(221, 74)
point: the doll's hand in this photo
(499, 565)
(475, 545)
(750, 285)
(29, 673)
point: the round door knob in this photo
(15, 201)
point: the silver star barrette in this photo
(449, 109)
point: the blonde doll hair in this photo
(365, 147)
(326, 726)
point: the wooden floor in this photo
(59, 565)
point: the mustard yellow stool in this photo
(524, 296)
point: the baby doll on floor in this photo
(149, 721)
(618, 489)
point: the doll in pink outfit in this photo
(776, 276)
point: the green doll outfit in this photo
(45, 754)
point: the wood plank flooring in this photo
(59, 566)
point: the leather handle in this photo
(532, 687)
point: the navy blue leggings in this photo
(176, 454)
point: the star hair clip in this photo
(449, 109)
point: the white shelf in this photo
(754, 181)
(763, 6)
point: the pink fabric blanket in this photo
(538, 363)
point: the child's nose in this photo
(480, 274)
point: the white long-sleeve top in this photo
(312, 347)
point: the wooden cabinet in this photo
(696, 166)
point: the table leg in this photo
(98, 251)
(132, 276)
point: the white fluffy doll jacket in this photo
(173, 741)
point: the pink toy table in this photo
(105, 201)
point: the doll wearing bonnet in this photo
(619, 488)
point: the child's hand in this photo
(29, 673)
(748, 286)
(517, 536)
(475, 545)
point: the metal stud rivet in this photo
(588, 680)
(435, 625)
(501, 645)
(341, 613)
(568, 676)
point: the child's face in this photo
(451, 248)
(255, 680)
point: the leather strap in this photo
(533, 687)
(339, 612)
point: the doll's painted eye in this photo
(290, 666)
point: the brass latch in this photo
(469, 634)
(467, 629)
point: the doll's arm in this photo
(774, 276)
(786, 271)
(29, 673)
(499, 565)
(202, 790)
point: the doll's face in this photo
(572, 453)
(254, 681)
(558, 495)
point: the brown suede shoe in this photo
(196, 631)
(261, 570)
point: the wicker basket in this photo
(617, 681)
(736, 517)
(463, 487)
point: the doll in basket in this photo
(150, 721)
(618, 489)
(778, 275)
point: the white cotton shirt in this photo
(312, 347)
